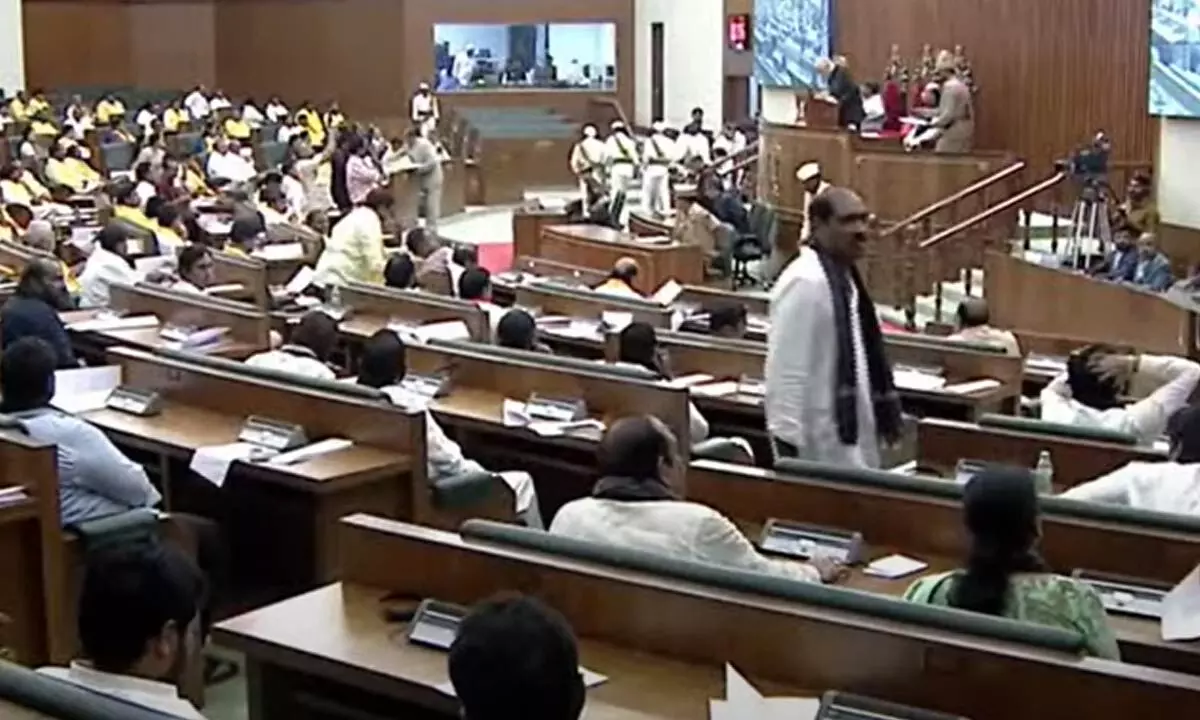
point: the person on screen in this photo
(841, 86)
(464, 66)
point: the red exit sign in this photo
(738, 32)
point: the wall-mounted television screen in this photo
(549, 56)
(1175, 58)
(790, 36)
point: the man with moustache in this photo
(829, 390)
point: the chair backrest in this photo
(53, 698)
(1044, 427)
(826, 596)
(496, 352)
(272, 154)
(213, 362)
(117, 156)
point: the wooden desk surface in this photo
(599, 233)
(182, 429)
(149, 338)
(339, 631)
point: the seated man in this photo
(196, 269)
(1089, 393)
(1153, 270)
(432, 258)
(226, 164)
(1172, 486)
(1122, 262)
(516, 658)
(727, 320)
(518, 330)
(109, 263)
(383, 366)
(973, 318)
(139, 627)
(475, 284)
(95, 478)
(620, 279)
(33, 311)
(638, 503)
(399, 271)
(307, 353)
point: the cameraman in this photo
(1138, 211)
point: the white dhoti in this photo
(656, 189)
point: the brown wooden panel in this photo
(172, 44)
(76, 44)
(1043, 86)
(415, 42)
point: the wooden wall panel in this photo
(172, 44)
(1050, 71)
(76, 44)
(421, 15)
(316, 50)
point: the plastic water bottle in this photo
(1043, 473)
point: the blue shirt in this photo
(24, 317)
(94, 477)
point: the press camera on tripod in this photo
(1087, 168)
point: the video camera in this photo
(1088, 165)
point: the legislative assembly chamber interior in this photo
(621, 359)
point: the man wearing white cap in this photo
(810, 178)
(424, 109)
(660, 154)
(621, 157)
(587, 162)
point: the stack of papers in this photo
(515, 414)
(109, 323)
(743, 702)
(213, 462)
(280, 251)
(906, 379)
(972, 386)
(687, 381)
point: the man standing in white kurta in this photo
(829, 391)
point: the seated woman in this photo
(383, 366)
(518, 330)
(638, 504)
(1089, 393)
(1004, 574)
(1172, 486)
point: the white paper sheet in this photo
(446, 330)
(1181, 609)
(83, 238)
(972, 386)
(310, 451)
(743, 702)
(717, 389)
(280, 251)
(301, 280)
(12, 494)
(690, 380)
(914, 380)
(513, 413)
(110, 323)
(894, 566)
(81, 390)
(667, 293)
(224, 289)
(213, 462)
(615, 320)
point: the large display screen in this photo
(790, 36)
(1175, 58)
(551, 56)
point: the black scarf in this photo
(882, 391)
(629, 489)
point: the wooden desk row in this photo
(661, 641)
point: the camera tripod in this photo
(1089, 223)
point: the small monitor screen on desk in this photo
(435, 624)
(1126, 596)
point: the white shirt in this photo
(196, 104)
(1147, 418)
(79, 126)
(103, 268)
(464, 68)
(733, 145)
(150, 694)
(680, 529)
(696, 146)
(293, 359)
(293, 190)
(144, 192)
(801, 368)
(1162, 486)
(697, 424)
(276, 112)
(145, 118)
(657, 150)
(219, 102)
(252, 116)
(231, 166)
(287, 132)
(620, 148)
(444, 456)
(423, 105)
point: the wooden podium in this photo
(817, 113)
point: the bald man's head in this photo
(973, 312)
(839, 220)
(625, 269)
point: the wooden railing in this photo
(746, 165)
(964, 203)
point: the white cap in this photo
(616, 125)
(589, 130)
(808, 171)
(423, 86)
(658, 126)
